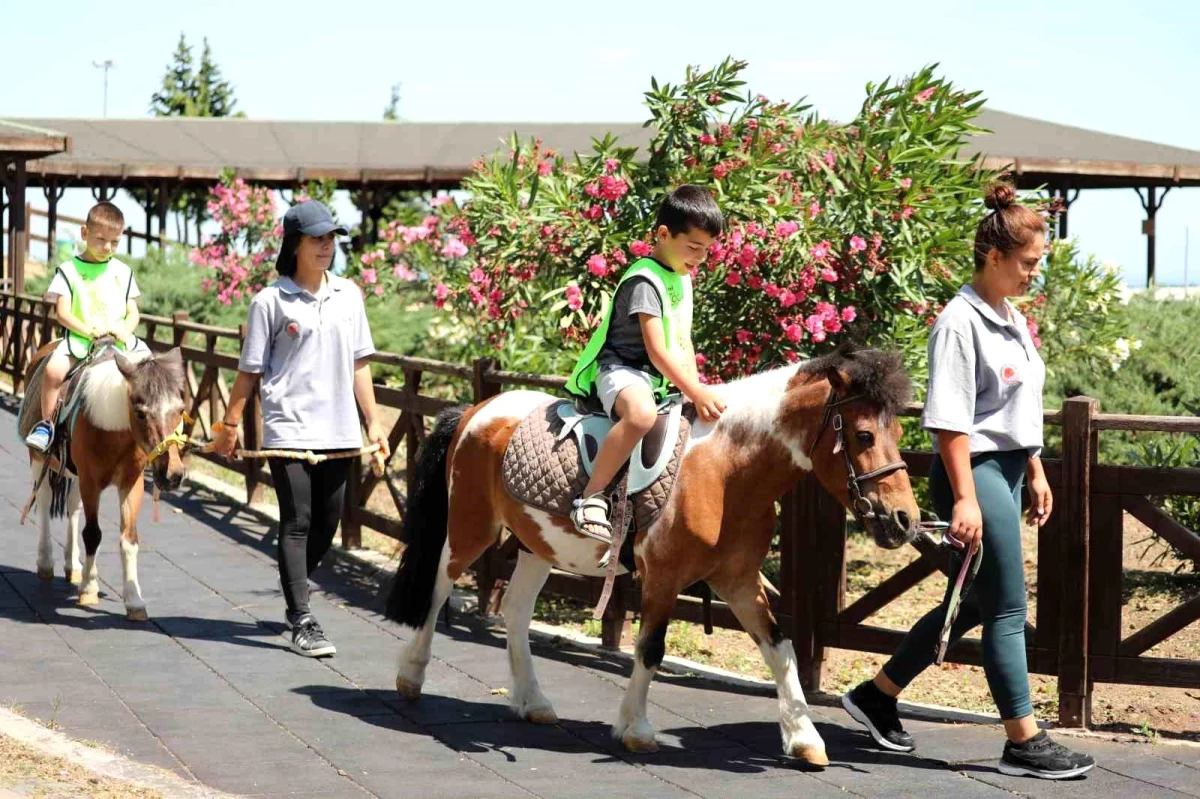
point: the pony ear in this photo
(171, 356)
(125, 366)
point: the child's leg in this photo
(53, 375)
(636, 412)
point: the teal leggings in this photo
(996, 599)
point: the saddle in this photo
(551, 454)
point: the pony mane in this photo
(105, 394)
(876, 376)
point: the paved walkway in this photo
(209, 689)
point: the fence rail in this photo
(1077, 634)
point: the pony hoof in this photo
(137, 614)
(73, 577)
(408, 690)
(90, 599)
(812, 755)
(46, 574)
(638, 745)
(541, 715)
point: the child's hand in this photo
(708, 404)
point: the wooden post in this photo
(17, 342)
(798, 579)
(483, 388)
(1079, 453)
(53, 193)
(18, 243)
(162, 196)
(616, 625)
(251, 426)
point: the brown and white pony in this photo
(131, 417)
(835, 416)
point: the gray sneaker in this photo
(309, 639)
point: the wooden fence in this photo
(1077, 635)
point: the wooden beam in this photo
(1161, 629)
(1166, 527)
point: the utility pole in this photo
(106, 65)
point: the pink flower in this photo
(700, 359)
(1033, 333)
(369, 277)
(924, 96)
(814, 210)
(849, 314)
(906, 182)
(379, 290)
(619, 257)
(611, 165)
(829, 275)
(787, 298)
(907, 211)
(574, 297)
(402, 272)
(440, 200)
(744, 336)
(707, 139)
(746, 256)
(720, 170)
(613, 188)
(733, 278)
(593, 213)
(786, 230)
(639, 248)
(830, 158)
(441, 291)
(477, 275)
(454, 248)
(597, 265)
(794, 332)
(545, 168)
(592, 190)
(820, 252)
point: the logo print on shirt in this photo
(1009, 374)
(293, 329)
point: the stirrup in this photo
(581, 506)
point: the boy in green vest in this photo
(95, 296)
(644, 346)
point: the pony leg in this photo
(633, 727)
(45, 550)
(72, 567)
(527, 699)
(747, 599)
(89, 591)
(131, 502)
(415, 654)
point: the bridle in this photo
(178, 437)
(862, 507)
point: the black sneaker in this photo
(309, 639)
(876, 711)
(1043, 758)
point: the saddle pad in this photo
(543, 472)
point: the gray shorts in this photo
(612, 380)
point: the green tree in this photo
(212, 95)
(174, 99)
(391, 110)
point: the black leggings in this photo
(310, 508)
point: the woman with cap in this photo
(307, 341)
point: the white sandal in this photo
(579, 517)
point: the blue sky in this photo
(1122, 68)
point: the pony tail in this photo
(424, 530)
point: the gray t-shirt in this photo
(624, 344)
(305, 346)
(985, 377)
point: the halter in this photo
(179, 438)
(862, 507)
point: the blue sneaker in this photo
(40, 437)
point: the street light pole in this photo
(106, 65)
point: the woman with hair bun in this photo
(984, 410)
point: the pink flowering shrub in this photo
(242, 255)
(861, 230)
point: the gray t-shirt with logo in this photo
(985, 377)
(624, 345)
(304, 345)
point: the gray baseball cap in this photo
(312, 219)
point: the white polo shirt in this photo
(985, 377)
(305, 345)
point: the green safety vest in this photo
(99, 298)
(675, 292)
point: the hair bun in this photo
(1000, 196)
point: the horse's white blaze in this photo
(795, 723)
(752, 405)
(132, 590)
(106, 394)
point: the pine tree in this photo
(391, 110)
(213, 95)
(174, 99)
